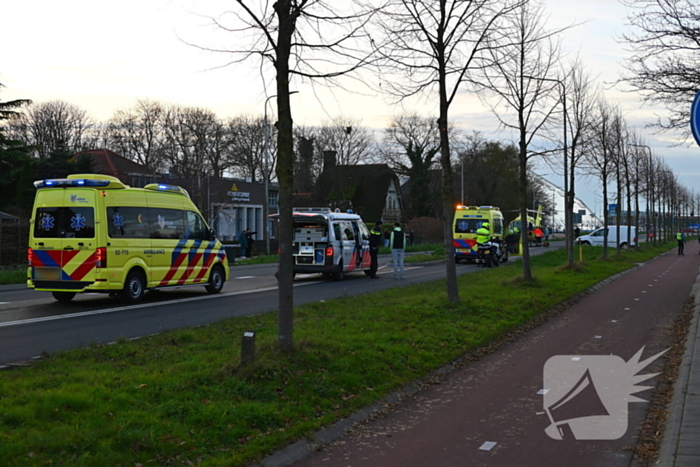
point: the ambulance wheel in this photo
(339, 274)
(134, 287)
(457, 260)
(505, 256)
(63, 297)
(216, 280)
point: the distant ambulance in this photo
(467, 220)
(92, 233)
(329, 243)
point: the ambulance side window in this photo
(166, 223)
(497, 226)
(196, 227)
(127, 222)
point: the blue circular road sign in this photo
(695, 118)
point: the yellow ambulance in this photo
(466, 222)
(92, 233)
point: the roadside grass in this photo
(16, 275)
(181, 398)
(260, 259)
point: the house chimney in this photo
(328, 159)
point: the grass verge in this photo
(180, 398)
(17, 275)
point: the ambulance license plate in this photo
(462, 250)
(47, 274)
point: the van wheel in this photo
(63, 297)
(586, 243)
(623, 246)
(134, 287)
(216, 280)
(339, 274)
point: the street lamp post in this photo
(266, 176)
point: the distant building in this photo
(370, 190)
(110, 163)
(232, 205)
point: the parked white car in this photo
(597, 237)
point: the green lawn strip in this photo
(180, 398)
(13, 275)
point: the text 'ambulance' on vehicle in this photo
(466, 222)
(92, 233)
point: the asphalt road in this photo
(32, 323)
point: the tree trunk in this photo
(285, 177)
(524, 234)
(447, 187)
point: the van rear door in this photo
(63, 242)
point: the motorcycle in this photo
(489, 253)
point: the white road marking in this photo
(142, 305)
(4, 303)
(244, 277)
(542, 392)
(487, 446)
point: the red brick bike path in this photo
(496, 400)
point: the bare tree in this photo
(580, 94)
(411, 145)
(436, 46)
(52, 125)
(247, 135)
(524, 55)
(310, 39)
(665, 46)
(601, 157)
(138, 133)
(351, 141)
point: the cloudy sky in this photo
(103, 57)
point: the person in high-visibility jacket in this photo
(483, 234)
(681, 243)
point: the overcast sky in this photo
(103, 57)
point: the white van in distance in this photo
(597, 237)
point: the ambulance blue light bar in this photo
(166, 187)
(69, 182)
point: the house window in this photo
(273, 198)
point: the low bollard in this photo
(248, 348)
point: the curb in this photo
(302, 448)
(10, 287)
(672, 433)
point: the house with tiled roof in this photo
(370, 190)
(109, 162)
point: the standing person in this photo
(243, 242)
(375, 241)
(250, 240)
(398, 245)
(387, 237)
(681, 243)
(538, 236)
(411, 237)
